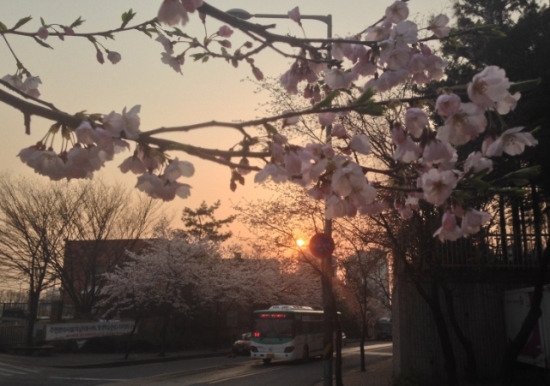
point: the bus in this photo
(287, 332)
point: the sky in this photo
(74, 81)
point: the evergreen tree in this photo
(201, 223)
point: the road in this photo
(228, 371)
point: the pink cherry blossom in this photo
(438, 185)
(339, 207)
(397, 12)
(406, 149)
(489, 89)
(276, 172)
(438, 25)
(379, 32)
(29, 86)
(172, 12)
(158, 187)
(447, 105)
(511, 142)
(191, 5)
(438, 152)
(85, 133)
(177, 169)
(173, 61)
(166, 44)
(396, 58)
(449, 229)
(326, 119)
(415, 121)
(476, 162)
(360, 143)
(339, 131)
(405, 32)
(388, 80)
(293, 163)
(473, 220)
(347, 177)
(463, 126)
(133, 164)
(336, 79)
(364, 66)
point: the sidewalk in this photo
(377, 374)
(90, 360)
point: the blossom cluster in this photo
(400, 58)
(92, 145)
(27, 84)
(388, 54)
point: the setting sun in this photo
(300, 242)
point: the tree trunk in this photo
(31, 318)
(362, 343)
(164, 332)
(130, 336)
(471, 362)
(444, 336)
(446, 344)
(516, 345)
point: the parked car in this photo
(242, 346)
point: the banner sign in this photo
(66, 331)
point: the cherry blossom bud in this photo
(225, 43)
(258, 74)
(99, 56)
(113, 56)
(225, 31)
(244, 162)
(294, 15)
(42, 33)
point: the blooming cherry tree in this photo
(394, 52)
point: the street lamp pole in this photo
(327, 265)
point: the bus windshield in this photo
(274, 326)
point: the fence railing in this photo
(495, 251)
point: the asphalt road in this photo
(222, 370)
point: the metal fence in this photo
(495, 251)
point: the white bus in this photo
(287, 333)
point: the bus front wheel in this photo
(266, 361)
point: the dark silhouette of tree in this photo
(201, 223)
(514, 35)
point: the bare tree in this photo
(110, 221)
(39, 220)
(31, 234)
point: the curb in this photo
(132, 362)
